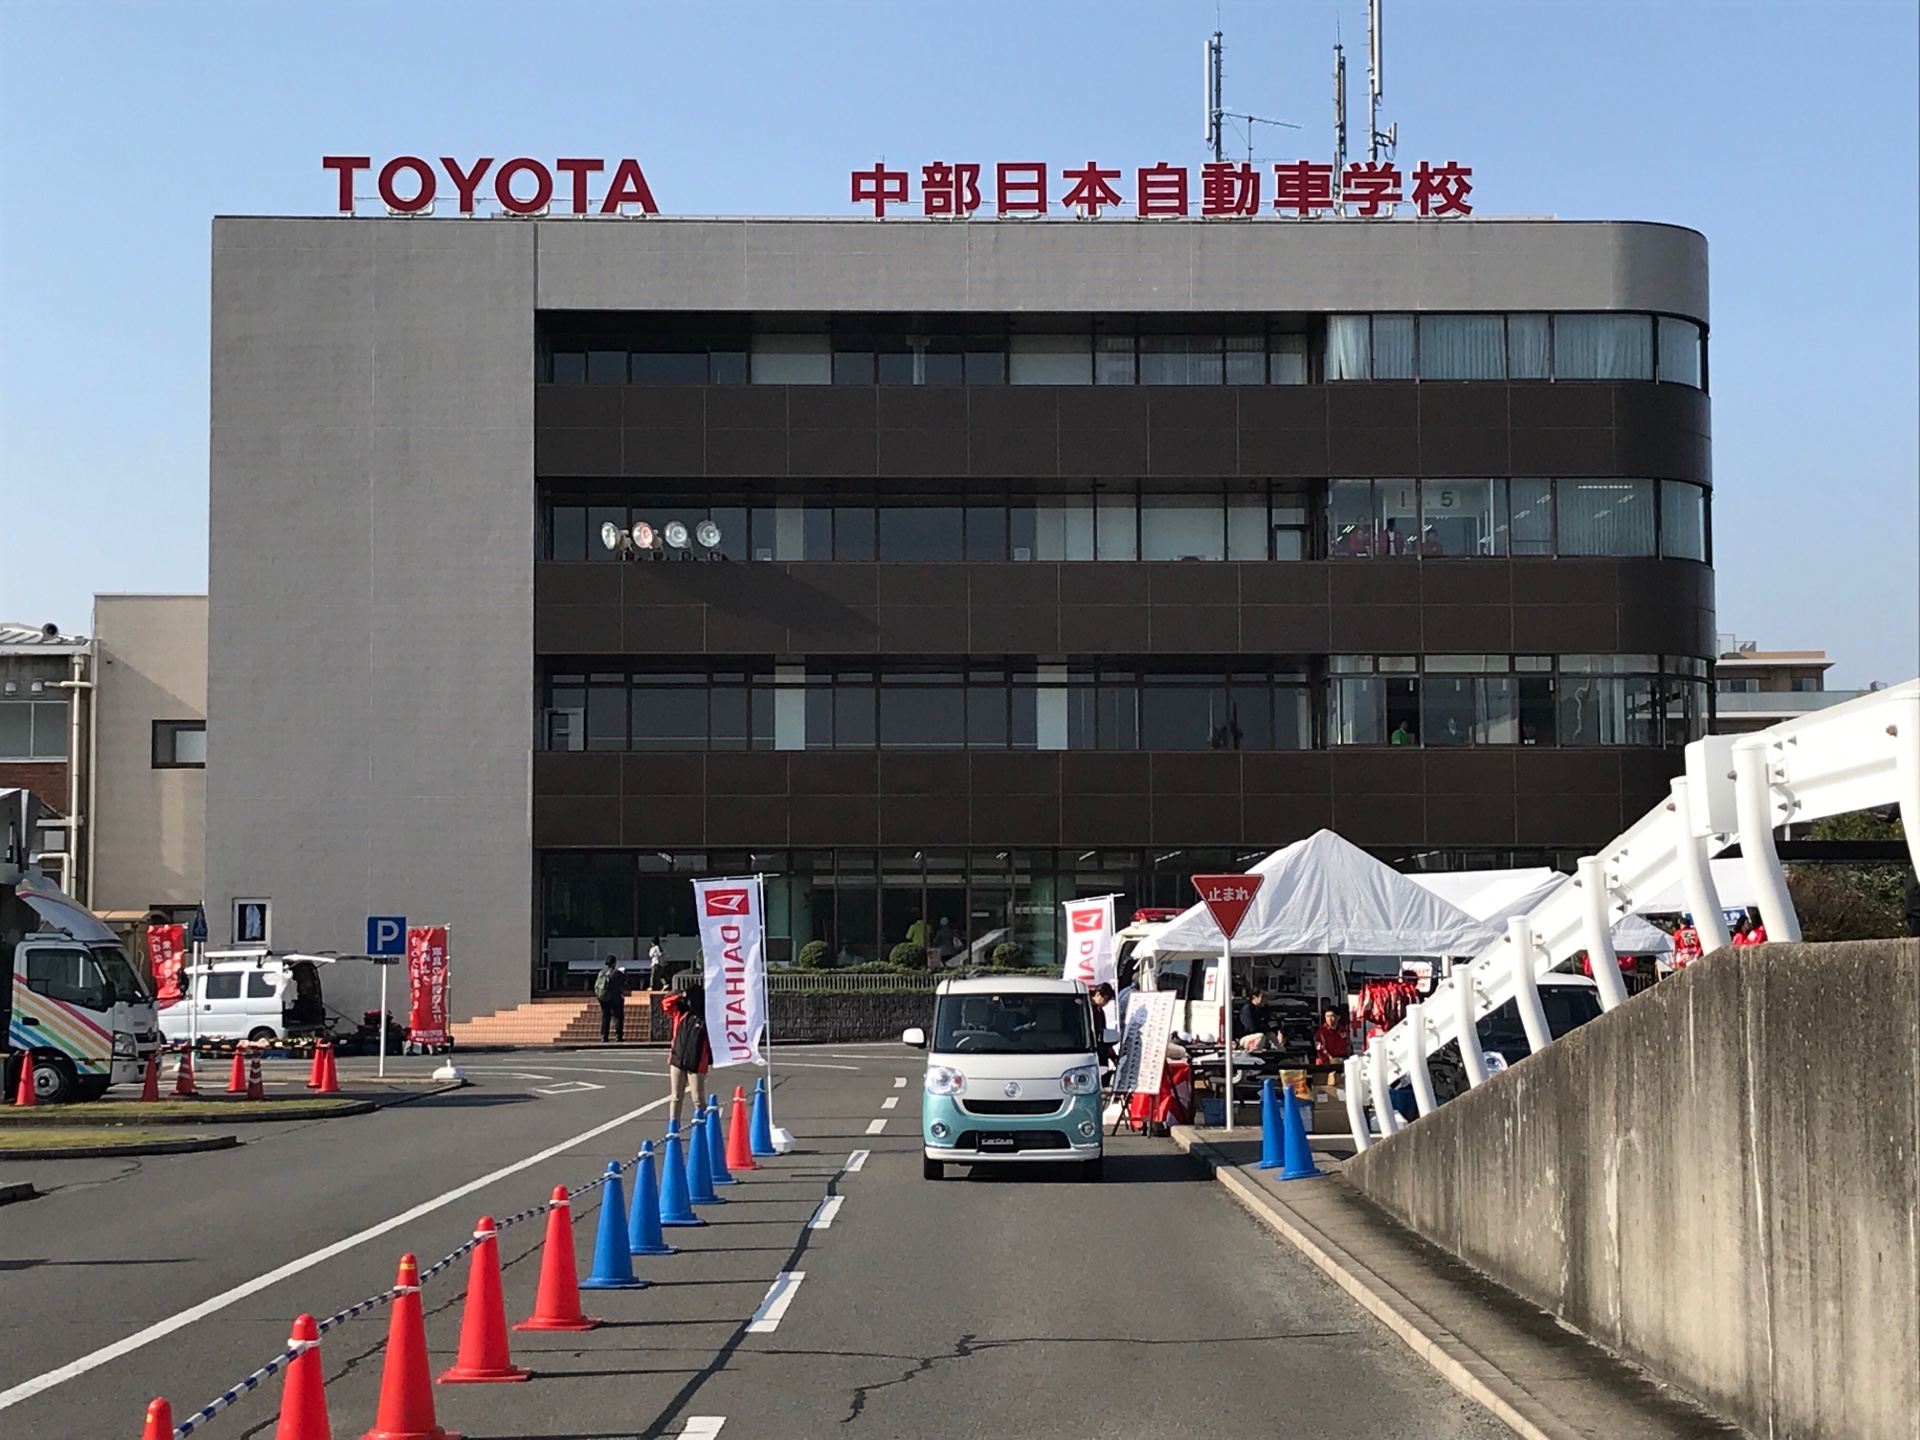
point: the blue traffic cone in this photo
(1299, 1153)
(675, 1207)
(761, 1130)
(643, 1220)
(717, 1146)
(699, 1174)
(612, 1261)
(1272, 1144)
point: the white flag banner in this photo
(733, 943)
(1090, 941)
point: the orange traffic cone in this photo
(150, 1087)
(329, 1075)
(484, 1354)
(183, 1085)
(23, 1093)
(739, 1134)
(406, 1390)
(317, 1069)
(256, 1087)
(237, 1077)
(303, 1396)
(159, 1424)
(557, 1306)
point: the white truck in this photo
(69, 996)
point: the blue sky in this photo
(1786, 132)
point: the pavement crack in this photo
(963, 1349)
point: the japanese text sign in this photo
(1227, 898)
(427, 985)
(166, 953)
(1226, 189)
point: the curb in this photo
(63, 1116)
(108, 1152)
(1449, 1357)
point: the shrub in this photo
(1008, 955)
(815, 955)
(908, 956)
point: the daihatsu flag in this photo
(733, 942)
(1090, 941)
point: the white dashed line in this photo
(856, 1162)
(899, 1082)
(876, 1127)
(823, 1216)
(889, 1102)
(779, 1296)
(702, 1427)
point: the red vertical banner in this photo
(427, 986)
(167, 955)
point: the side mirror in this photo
(915, 1037)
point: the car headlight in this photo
(123, 1047)
(1083, 1081)
(942, 1081)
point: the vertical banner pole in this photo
(766, 989)
(193, 1002)
(1226, 1018)
(383, 1020)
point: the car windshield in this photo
(1013, 1022)
(119, 973)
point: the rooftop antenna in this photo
(1339, 115)
(1216, 112)
(1376, 137)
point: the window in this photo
(179, 744)
(259, 985)
(1050, 360)
(1181, 527)
(1349, 348)
(1393, 347)
(921, 532)
(1529, 348)
(1683, 520)
(1605, 517)
(1737, 685)
(223, 986)
(1680, 352)
(33, 729)
(1530, 517)
(67, 975)
(1602, 347)
(1461, 517)
(791, 360)
(1463, 347)
(1804, 684)
(1442, 701)
(1180, 360)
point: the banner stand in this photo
(766, 996)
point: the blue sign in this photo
(386, 934)
(197, 930)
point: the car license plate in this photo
(998, 1142)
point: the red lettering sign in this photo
(1443, 189)
(408, 184)
(1228, 898)
(166, 954)
(1370, 185)
(880, 187)
(1090, 190)
(1302, 187)
(427, 985)
(1229, 189)
(1161, 190)
(1020, 188)
(949, 189)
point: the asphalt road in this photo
(994, 1305)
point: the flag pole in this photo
(766, 989)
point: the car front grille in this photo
(1010, 1107)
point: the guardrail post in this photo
(1596, 911)
(1377, 1080)
(1417, 1073)
(1466, 1024)
(1753, 794)
(1696, 875)
(1355, 1070)
(1526, 986)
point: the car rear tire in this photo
(54, 1082)
(1093, 1171)
(933, 1169)
(261, 1035)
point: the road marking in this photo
(824, 1213)
(809, 1065)
(567, 1087)
(899, 1082)
(780, 1295)
(876, 1127)
(27, 1389)
(856, 1162)
(889, 1102)
(703, 1427)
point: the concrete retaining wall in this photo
(866, 1015)
(1718, 1180)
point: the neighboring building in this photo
(1052, 558)
(150, 799)
(45, 681)
(1755, 688)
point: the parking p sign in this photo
(386, 934)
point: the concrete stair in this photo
(559, 1020)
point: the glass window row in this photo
(1239, 520)
(1135, 350)
(1437, 700)
(33, 729)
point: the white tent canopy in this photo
(1324, 896)
(1729, 880)
(1492, 895)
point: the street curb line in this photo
(61, 1117)
(108, 1152)
(1430, 1348)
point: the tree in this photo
(1850, 902)
(815, 955)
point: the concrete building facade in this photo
(1051, 558)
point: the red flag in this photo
(167, 954)
(427, 984)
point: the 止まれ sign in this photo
(1221, 189)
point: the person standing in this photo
(689, 1056)
(610, 989)
(1686, 942)
(1331, 1047)
(656, 967)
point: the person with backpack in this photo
(610, 989)
(689, 1056)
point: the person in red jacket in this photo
(1331, 1046)
(689, 1056)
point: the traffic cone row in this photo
(256, 1087)
(739, 1145)
(23, 1092)
(237, 1077)
(183, 1086)
(150, 1086)
(322, 1077)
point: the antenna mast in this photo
(1375, 136)
(1339, 117)
(1214, 73)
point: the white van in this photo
(249, 995)
(1012, 1075)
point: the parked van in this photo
(1012, 1075)
(249, 995)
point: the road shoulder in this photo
(1543, 1380)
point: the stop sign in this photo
(1227, 898)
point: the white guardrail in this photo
(1736, 790)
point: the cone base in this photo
(634, 1284)
(1310, 1173)
(434, 1434)
(695, 1220)
(725, 1180)
(505, 1375)
(536, 1323)
(653, 1250)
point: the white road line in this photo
(567, 1087)
(824, 1213)
(808, 1065)
(27, 1389)
(899, 1082)
(876, 1127)
(702, 1427)
(889, 1102)
(856, 1162)
(779, 1296)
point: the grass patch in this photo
(44, 1137)
(208, 1111)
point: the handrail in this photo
(1737, 789)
